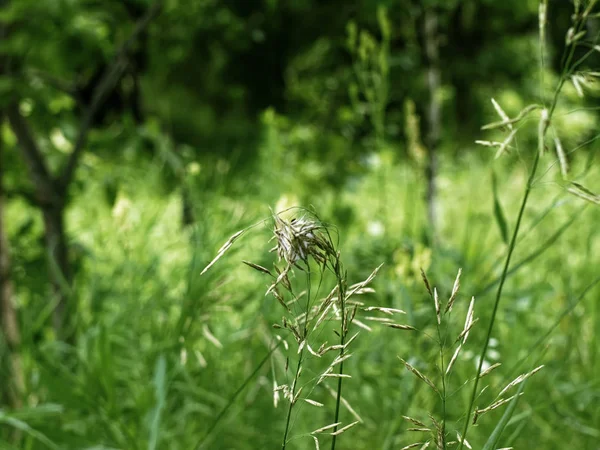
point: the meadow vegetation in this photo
(362, 269)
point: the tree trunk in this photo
(434, 113)
(60, 269)
(50, 190)
(9, 324)
(51, 199)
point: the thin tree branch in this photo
(108, 82)
(42, 180)
(26, 194)
(53, 81)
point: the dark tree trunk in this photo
(434, 113)
(59, 266)
(51, 190)
(51, 199)
(9, 325)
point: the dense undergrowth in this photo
(168, 358)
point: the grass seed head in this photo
(301, 238)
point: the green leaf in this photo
(160, 394)
(498, 212)
(25, 428)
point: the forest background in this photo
(137, 137)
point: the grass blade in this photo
(498, 211)
(160, 394)
(492, 442)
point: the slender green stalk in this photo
(299, 366)
(342, 297)
(544, 122)
(289, 413)
(443, 369)
(511, 248)
(235, 395)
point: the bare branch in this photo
(52, 81)
(25, 194)
(105, 86)
(42, 180)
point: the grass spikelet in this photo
(384, 320)
(464, 333)
(453, 359)
(316, 443)
(362, 325)
(543, 19)
(562, 158)
(489, 369)
(414, 421)
(454, 293)
(468, 321)
(542, 128)
(336, 375)
(584, 193)
(342, 430)
(326, 427)
(344, 402)
(258, 267)
(426, 281)
(389, 311)
(495, 405)
(488, 143)
(211, 337)
(577, 81)
(275, 394)
(463, 441)
(340, 359)
(519, 379)
(524, 113)
(420, 376)
(313, 402)
(297, 395)
(415, 445)
(437, 306)
(226, 246)
(355, 288)
(505, 143)
(399, 326)
(502, 114)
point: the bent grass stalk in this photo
(545, 119)
(499, 295)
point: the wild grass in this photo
(169, 358)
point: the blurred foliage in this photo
(229, 108)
